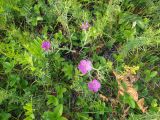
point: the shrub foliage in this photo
(120, 38)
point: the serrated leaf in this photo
(13, 79)
(49, 116)
(8, 66)
(58, 110)
(52, 100)
(68, 70)
(132, 102)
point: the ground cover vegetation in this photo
(79, 59)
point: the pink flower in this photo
(85, 26)
(46, 45)
(94, 85)
(85, 66)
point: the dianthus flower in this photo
(85, 66)
(85, 26)
(94, 85)
(46, 45)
